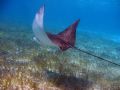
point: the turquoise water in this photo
(98, 33)
(102, 15)
(96, 16)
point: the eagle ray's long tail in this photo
(100, 58)
(86, 52)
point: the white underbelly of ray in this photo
(38, 29)
(41, 36)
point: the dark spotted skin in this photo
(65, 39)
(59, 42)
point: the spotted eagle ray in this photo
(63, 40)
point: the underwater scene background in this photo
(25, 65)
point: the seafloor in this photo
(24, 65)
